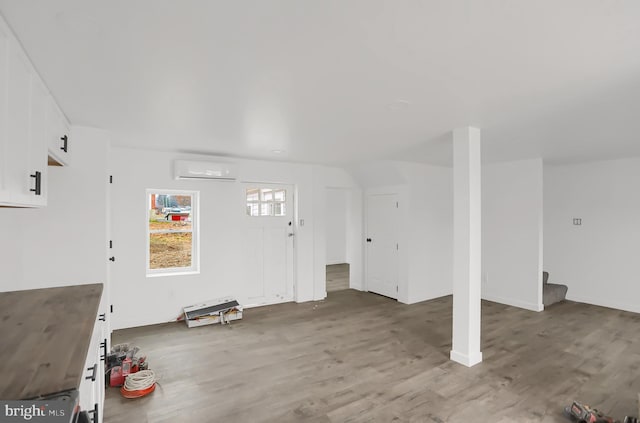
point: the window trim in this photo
(195, 235)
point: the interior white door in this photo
(382, 244)
(268, 243)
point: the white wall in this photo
(221, 253)
(336, 224)
(430, 231)
(64, 243)
(512, 219)
(599, 259)
(355, 237)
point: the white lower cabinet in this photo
(92, 386)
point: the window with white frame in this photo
(266, 202)
(172, 232)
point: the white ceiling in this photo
(343, 81)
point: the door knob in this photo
(368, 239)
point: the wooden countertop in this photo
(44, 338)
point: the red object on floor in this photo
(138, 393)
(126, 367)
(116, 378)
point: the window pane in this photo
(168, 250)
(170, 212)
(170, 226)
(267, 195)
(279, 209)
(253, 194)
(280, 195)
(164, 203)
(266, 209)
(266, 202)
(252, 209)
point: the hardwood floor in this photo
(337, 277)
(359, 357)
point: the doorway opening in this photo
(337, 239)
(337, 277)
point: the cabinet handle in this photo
(94, 372)
(38, 188)
(102, 317)
(65, 144)
(94, 418)
(103, 345)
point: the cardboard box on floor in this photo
(221, 310)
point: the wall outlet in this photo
(577, 221)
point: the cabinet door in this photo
(38, 137)
(59, 137)
(17, 172)
(4, 74)
(24, 149)
(92, 391)
(103, 345)
(87, 388)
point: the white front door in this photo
(268, 243)
(382, 244)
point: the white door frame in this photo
(293, 218)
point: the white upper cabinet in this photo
(31, 126)
(4, 159)
(38, 135)
(25, 165)
(58, 136)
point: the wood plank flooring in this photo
(359, 357)
(337, 277)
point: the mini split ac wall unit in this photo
(187, 169)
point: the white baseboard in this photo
(513, 302)
(268, 303)
(321, 297)
(634, 308)
(429, 297)
(468, 360)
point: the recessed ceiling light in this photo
(277, 151)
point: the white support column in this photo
(467, 247)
